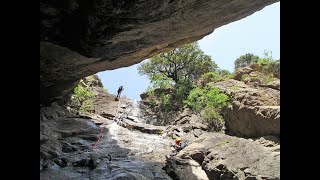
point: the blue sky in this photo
(253, 34)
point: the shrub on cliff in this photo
(208, 102)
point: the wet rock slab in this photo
(226, 157)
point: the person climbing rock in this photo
(179, 144)
(120, 89)
(177, 147)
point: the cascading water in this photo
(134, 111)
(145, 152)
(121, 153)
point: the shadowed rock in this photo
(80, 38)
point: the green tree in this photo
(82, 98)
(177, 69)
(269, 65)
(224, 73)
(246, 60)
(276, 68)
(185, 63)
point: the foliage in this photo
(246, 60)
(208, 102)
(165, 104)
(87, 106)
(177, 70)
(215, 76)
(224, 73)
(196, 99)
(90, 78)
(182, 89)
(150, 91)
(208, 96)
(255, 79)
(187, 62)
(245, 77)
(261, 79)
(160, 81)
(170, 99)
(151, 100)
(275, 68)
(212, 117)
(82, 93)
(267, 65)
(211, 77)
(152, 103)
(267, 79)
(270, 66)
(216, 99)
(82, 98)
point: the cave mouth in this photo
(79, 38)
(223, 45)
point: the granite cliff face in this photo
(81, 38)
(254, 110)
(132, 149)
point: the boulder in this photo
(254, 112)
(274, 84)
(239, 72)
(226, 157)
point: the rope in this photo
(102, 129)
(99, 137)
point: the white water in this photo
(134, 112)
(136, 141)
(132, 151)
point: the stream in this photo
(120, 154)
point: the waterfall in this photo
(134, 112)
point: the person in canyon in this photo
(120, 89)
(177, 146)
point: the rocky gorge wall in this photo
(133, 149)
